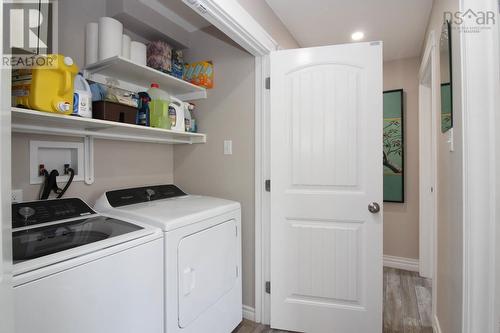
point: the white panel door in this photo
(326, 168)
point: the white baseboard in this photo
(248, 313)
(401, 263)
(435, 325)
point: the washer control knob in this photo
(26, 212)
(149, 194)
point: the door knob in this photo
(374, 207)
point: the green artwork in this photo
(393, 142)
(446, 120)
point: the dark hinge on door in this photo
(268, 83)
(268, 185)
(268, 287)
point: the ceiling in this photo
(400, 24)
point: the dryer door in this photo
(207, 268)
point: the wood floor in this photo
(407, 305)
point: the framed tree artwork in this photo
(393, 143)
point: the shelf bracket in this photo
(88, 151)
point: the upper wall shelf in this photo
(30, 121)
(138, 77)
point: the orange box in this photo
(200, 73)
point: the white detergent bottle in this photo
(176, 115)
(82, 98)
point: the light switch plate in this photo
(228, 147)
(450, 140)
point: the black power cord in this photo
(68, 183)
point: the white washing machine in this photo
(202, 253)
(80, 272)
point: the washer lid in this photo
(32, 243)
(172, 213)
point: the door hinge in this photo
(236, 231)
(268, 83)
(237, 271)
(268, 287)
(268, 185)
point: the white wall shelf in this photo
(133, 76)
(30, 121)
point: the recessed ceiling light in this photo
(358, 35)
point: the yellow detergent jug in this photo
(50, 88)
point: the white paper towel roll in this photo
(126, 46)
(110, 37)
(91, 42)
(138, 53)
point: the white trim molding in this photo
(435, 325)
(262, 198)
(407, 264)
(248, 313)
(237, 23)
(232, 19)
(480, 102)
(428, 87)
(428, 116)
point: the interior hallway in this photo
(407, 305)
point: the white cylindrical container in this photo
(138, 53)
(91, 42)
(126, 46)
(110, 38)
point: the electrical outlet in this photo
(17, 196)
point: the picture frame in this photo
(393, 146)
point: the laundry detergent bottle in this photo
(176, 115)
(82, 101)
(159, 107)
(51, 85)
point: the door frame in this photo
(428, 223)
(480, 101)
(428, 180)
(6, 298)
(232, 19)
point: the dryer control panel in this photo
(137, 195)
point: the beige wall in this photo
(118, 164)
(401, 219)
(449, 191)
(263, 14)
(227, 114)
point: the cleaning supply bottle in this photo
(143, 113)
(188, 107)
(82, 100)
(176, 115)
(158, 107)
